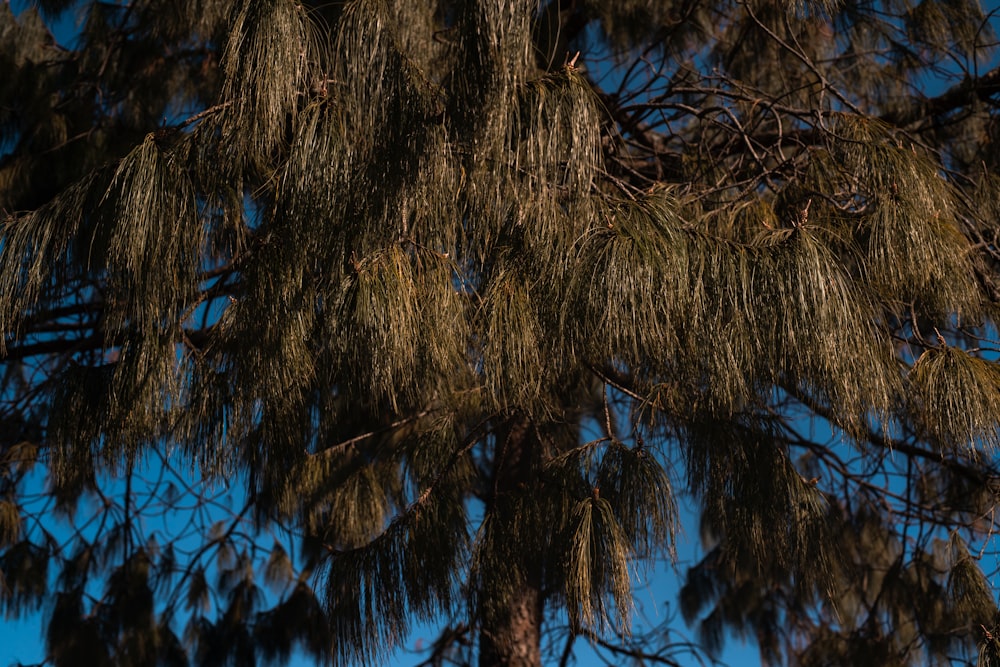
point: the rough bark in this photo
(513, 636)
(516, 642)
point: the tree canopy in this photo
(458, 298)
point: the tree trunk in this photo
(516, 642)
(513, 637)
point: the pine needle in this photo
(956, 396)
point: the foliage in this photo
(449, 302)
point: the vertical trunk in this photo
(515, 641)
(512, 637)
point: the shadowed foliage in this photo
(324, 321)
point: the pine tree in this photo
(460, 296)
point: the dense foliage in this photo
(454, 298)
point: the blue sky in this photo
(656, 596)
